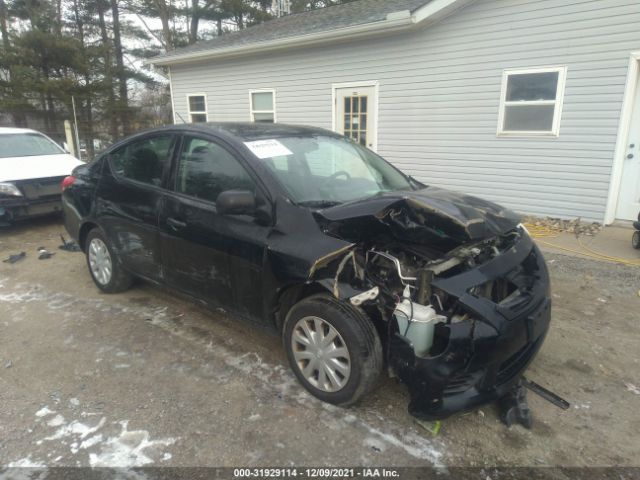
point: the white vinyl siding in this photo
(439, 97)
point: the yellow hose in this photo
(541, 231)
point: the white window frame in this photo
(558, 102)
(206, 106)
(252, 112)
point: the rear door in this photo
(217, 258)
(128, 201)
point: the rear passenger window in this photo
(206, 170)
(143, 160)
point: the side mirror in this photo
(236, 202)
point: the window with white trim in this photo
(263, 106)
(197, 108)
(531, 101)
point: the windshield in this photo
(27, 145)
(323, 171)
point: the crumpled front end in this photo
(457, 289)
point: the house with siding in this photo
(534, 104)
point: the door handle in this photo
(175, 224)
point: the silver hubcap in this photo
(100, 261)
(321, 354)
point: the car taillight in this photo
(68, 181)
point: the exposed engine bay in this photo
(461, 302)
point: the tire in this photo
(97, 246)
(635, 240)
(355, 332)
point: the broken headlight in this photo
(10, 190)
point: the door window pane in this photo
(355, 118)
(143, 160)
(206, 169)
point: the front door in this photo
(356, 114)
(211, 256)
(629, 197)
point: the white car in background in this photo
(32, 167)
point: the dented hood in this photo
(423, 216)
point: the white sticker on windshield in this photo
(268, 149)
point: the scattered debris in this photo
(546, 394)
(576, 226)
(632, 388)
(432, 427)
(9, 364)
(15, 258)
(68, 246)
(44, 254)
(514, 407)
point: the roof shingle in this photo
(322, 20)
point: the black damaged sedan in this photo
(358, 266)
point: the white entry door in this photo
(355, 114)
(629, 197)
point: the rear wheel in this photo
(104, 267)
(333, 349)
(635, 240)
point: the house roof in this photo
(353, 19)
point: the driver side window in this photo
(206, 169)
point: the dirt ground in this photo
(149, 378)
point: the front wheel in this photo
(333, 349)
(105, 270)
(635, 240)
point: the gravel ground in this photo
(149, 378)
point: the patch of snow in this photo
(44, 411)
(25, 462)
(56, 421)
(127, 449)
(76, 429)
(632, 388)
(90, 442)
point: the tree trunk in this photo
(3, 27)
(195, 20)
(120, 72)
(58, 21)
(87, 128)
(108, 73)
(167, 33)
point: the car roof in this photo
(7, 130)
(252, 131)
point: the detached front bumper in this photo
(483, 357)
